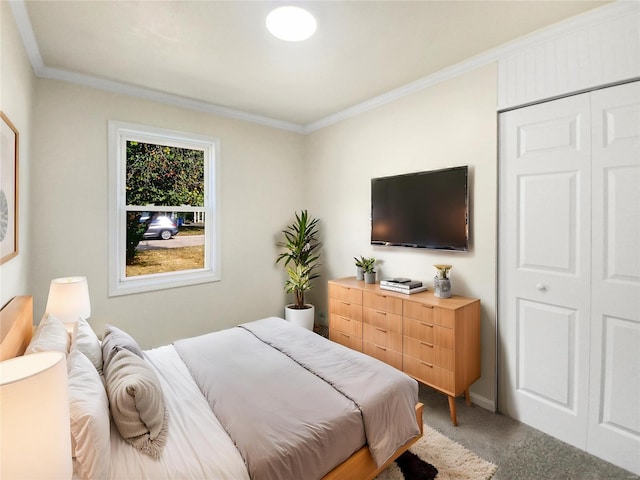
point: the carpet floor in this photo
(436, 456)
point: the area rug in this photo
(437, 457)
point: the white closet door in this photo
(614, 419)
(544, 271)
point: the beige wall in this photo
(16, 92)
(260, 171)
(450, 124)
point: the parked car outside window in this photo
(161, 227)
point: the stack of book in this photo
(402, 285)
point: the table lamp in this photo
(69, 299)
(35, 442)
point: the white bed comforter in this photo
(295, 404)
(197, 445)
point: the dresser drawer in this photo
(444, 317)
(429, 313)
(383, 354)
(418, 311)
(346, 309)
(345, 325)
(346, 294)
(428, 352)
(382, 337)
(354, 342)
(379, 318)
(428, 332)
(430, 374)
(418, 329)
(384, 303)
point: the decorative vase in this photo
(369, 277)
(359, 273)
(441, 282)
(302, 317)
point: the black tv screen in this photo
(423, 210)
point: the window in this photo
(164, 221)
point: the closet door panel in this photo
(544, 276)
(614, 418)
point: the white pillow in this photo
(85, 340)
(89, 418)
(51, 335)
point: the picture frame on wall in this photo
(8, 189)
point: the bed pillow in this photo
(51, 335)
(137, 402)
(115, 340)
(85, 340)
(89, 418)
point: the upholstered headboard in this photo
(16, 327)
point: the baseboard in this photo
(483, 402)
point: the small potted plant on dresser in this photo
(360, 262)
(300, 260)
(369, 272)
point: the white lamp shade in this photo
(35, 441)
(69, 299)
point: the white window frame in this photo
(119, 134)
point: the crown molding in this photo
(163, 97)
(23, 23)
(601, 14)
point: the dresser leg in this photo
(467, 397)
(452, 410)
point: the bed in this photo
(330, 425)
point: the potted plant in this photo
(300, 260)
(369, 272)
(360, 267)
(441, 282)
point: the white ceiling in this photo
(220, 53)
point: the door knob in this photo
(541, 287)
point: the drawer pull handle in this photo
(383, 296)
(344, 318)
(427, 306)
(424, 324)
(381, 330)
(345, 303)
(345, 335)
(380, 313)
(430, 345)
(430, 365)
(381, 348)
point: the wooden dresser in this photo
(434, 340)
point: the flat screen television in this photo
(423, 210)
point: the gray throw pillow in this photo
(115, 340)
(136, 402)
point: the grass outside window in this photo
(167, 260)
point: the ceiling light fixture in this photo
(292, 24)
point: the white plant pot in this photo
(303, 318)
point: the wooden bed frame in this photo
(360, 465)
(16, 329)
